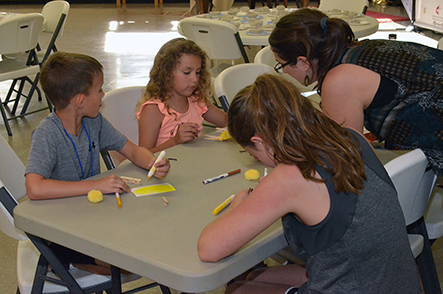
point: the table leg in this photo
(118, 3)
(116, 280)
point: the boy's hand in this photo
(112, 184)
(186, 132)
(162, 167)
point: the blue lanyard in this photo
(76, 152)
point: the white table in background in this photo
(367, 26)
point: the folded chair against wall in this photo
(19, 34)
(235, 78)
(33, 255)
(414, 180)
(219, 39)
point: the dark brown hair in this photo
(301, 33)
(299, 134)
(65, 75)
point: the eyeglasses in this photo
(279, 67)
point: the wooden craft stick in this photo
(129, 180)
(165, 201)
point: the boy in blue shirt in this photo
(66, 146)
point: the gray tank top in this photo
(361, 246)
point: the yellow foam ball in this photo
(95, 196)
(252, 175)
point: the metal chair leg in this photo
(5, 119)
(425, 260)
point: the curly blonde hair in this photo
(299, 134)
(159, 85)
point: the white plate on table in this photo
(361, 23)
(260, 34)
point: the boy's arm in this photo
(39, 188)
(143, 158)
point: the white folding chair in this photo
(414, 180)
(55, 14)
(265, 56)
(359, 6)
(219, 39)
(235, 78)
(32, 265)
(19, 34)
(119, 109)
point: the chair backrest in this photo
(12, 188)
(359, 6)
(52, 11)
(219, 39)
(119, 109)
(19, 33)
(235, 78)
(413, 181)
(265, 56)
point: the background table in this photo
(153, 240)
(367, 26)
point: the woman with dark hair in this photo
(338, 206)
(393, 88)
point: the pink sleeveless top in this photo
(173, 119)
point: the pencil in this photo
(119, 201)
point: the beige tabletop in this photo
(153, 240)
(157, 241)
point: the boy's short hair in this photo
(65, 75)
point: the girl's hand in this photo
(186, 132)
(162, 168)
(239, 198)
(112, 184)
